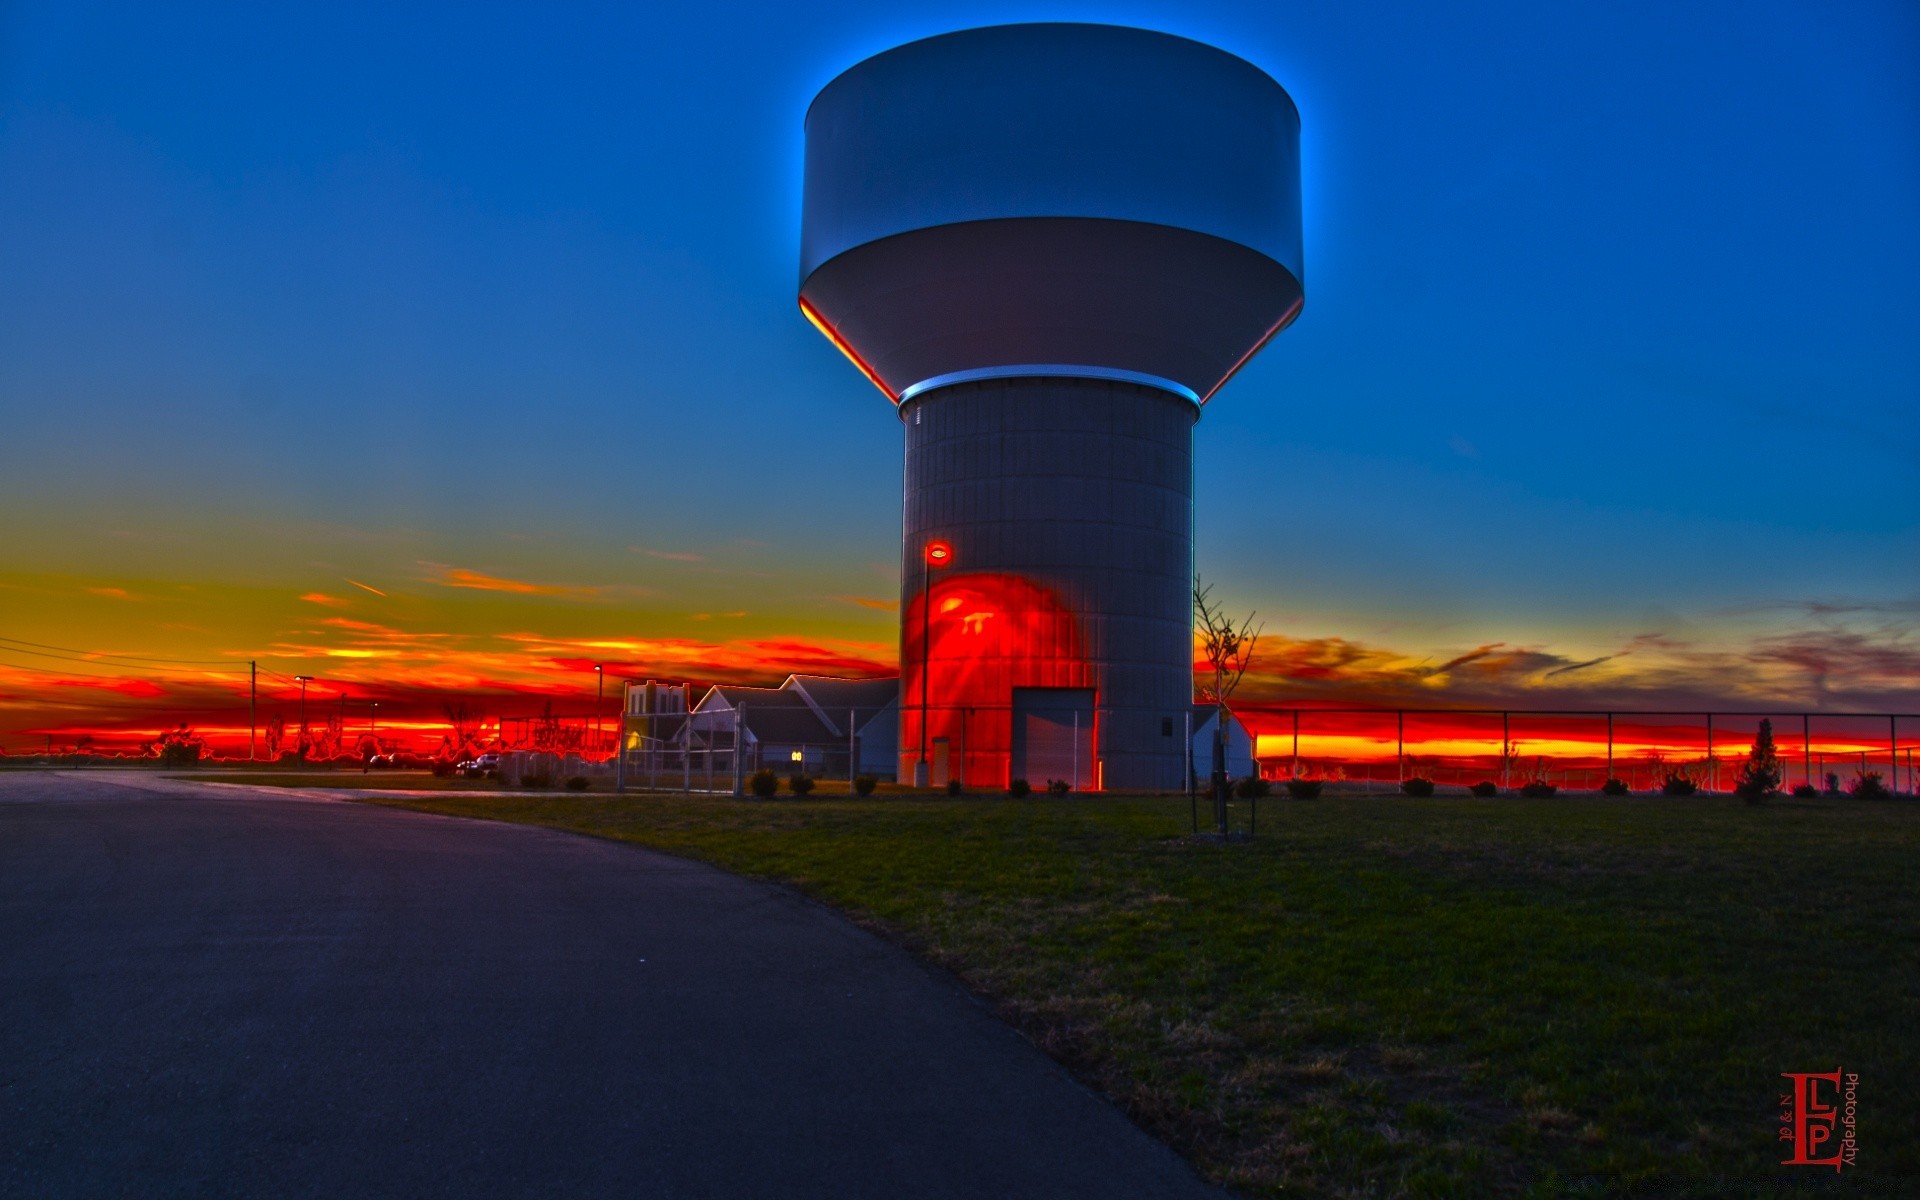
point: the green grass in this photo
(1384, 996)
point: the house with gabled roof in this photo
(811, 723)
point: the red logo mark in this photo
(1819, 1110)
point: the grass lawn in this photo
(1387, 996)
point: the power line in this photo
(97, 655)
(171, 676)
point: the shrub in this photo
(1614, 787)
(864, 784)
(577, 783)
(1251, 788)
(1417, 786)
(1867, 786)
(1537, 789)
(1806, 791)
(1303, 789)
(1677, 784)
(443, 767)
(953, 787)
(1019, 787)
(764, 783)
(1059, 787)
(800, 783)
(536, 779)
(1761, 775)
(1485, 788)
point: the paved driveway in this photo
(210, 991)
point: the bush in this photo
(1761, 775)
(1251, 788)
(864, 784)
(1537, 789)
(1614, 787)
(1485, 788)
(442, 767)
(800, 783)
(1806, 791)
(577, 783)
(536, 779)
(179, 754)
(1019, 787)
(1303, 789)
(1868, 787)
(1059, 787)
(1677, 784)
(953, 787)
(764, 783)
(1417, 786)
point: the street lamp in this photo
(303, 681)
(939, 553)
(599, 700)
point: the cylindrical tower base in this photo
(1055, 641)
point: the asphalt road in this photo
(210, 991)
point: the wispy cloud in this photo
(324, 599)
(670, 555)
(461, 577)
(113, 593)
(878, 605)
(366, 587)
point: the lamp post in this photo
(938, 554)
(599, 699)
(303, 681)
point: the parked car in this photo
(484, 765)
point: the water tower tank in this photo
(1049, 245)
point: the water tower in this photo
(1050, 246)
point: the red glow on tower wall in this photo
(986, 634)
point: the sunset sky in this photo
(450, 357)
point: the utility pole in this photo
(253, 701)
(303, 681)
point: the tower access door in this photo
(1053, 736)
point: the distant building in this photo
(1240, 762)
(809, 722)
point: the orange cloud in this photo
(323, 598)
(113, 593)
(670, 555)
(365, 588)
(460, 577)
(868, 602)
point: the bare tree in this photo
(464, 721)
(1228, 645)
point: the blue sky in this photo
(1608, 332)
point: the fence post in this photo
(1506, 753)
(739, 748)
(853, 767)
(1806, 748)
(1713, 768)
(1609, 745)
(686, 756)
(1400, 741)
(1296, 743)
(620, 758)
